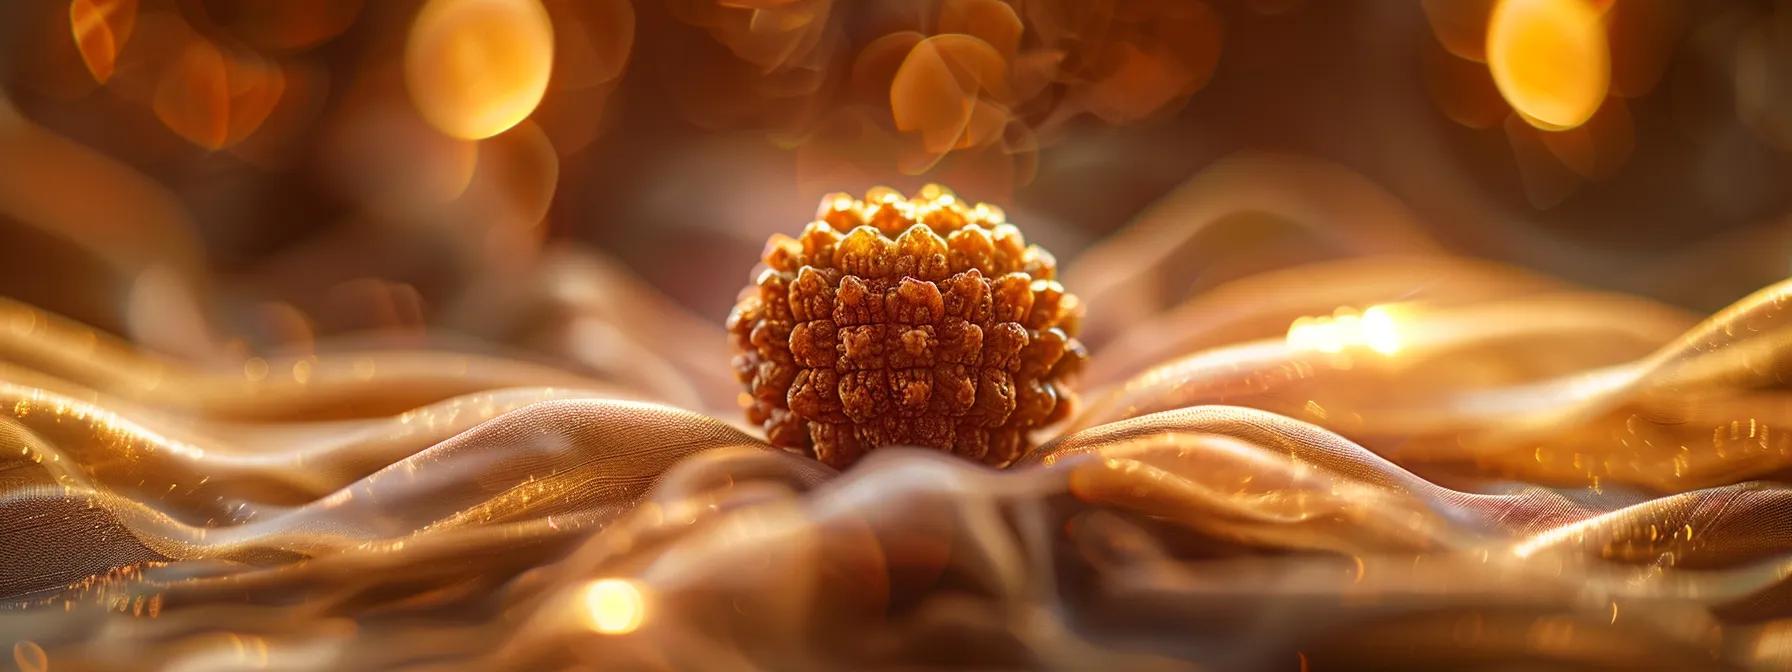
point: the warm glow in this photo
(475, 68)
(949, 90)
(214, 96)
(256, 87)
(615, 606)
(100, 29)
(1378, 331)
(193, 95)
(1373, 329)
(1550, 60)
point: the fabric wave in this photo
(1520, 473)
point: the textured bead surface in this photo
(905, 321)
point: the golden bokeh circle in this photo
(614, 606)
(1550, 59)
(475, 68)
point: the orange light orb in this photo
(100, 30)
(475, 68)
(614, 606)
(1550, 60)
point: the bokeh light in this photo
(1550, 59)
(101, 28)
(940, 87)
(256, 86)
(614, 606)
(1171, 53)
(1556, 74)
(992, 21)
(1374, 328)
(213, 93)
(475, 68)
(1379, 330)
(30, 657)
(951, 89)
(193, 95)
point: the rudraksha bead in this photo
(905, 321)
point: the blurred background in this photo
(231, 176)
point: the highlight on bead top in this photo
(792, 335)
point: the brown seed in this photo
(905, 321)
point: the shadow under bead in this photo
(905, 321)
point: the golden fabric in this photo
(1532, 474)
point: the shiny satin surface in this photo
(1532, 474)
